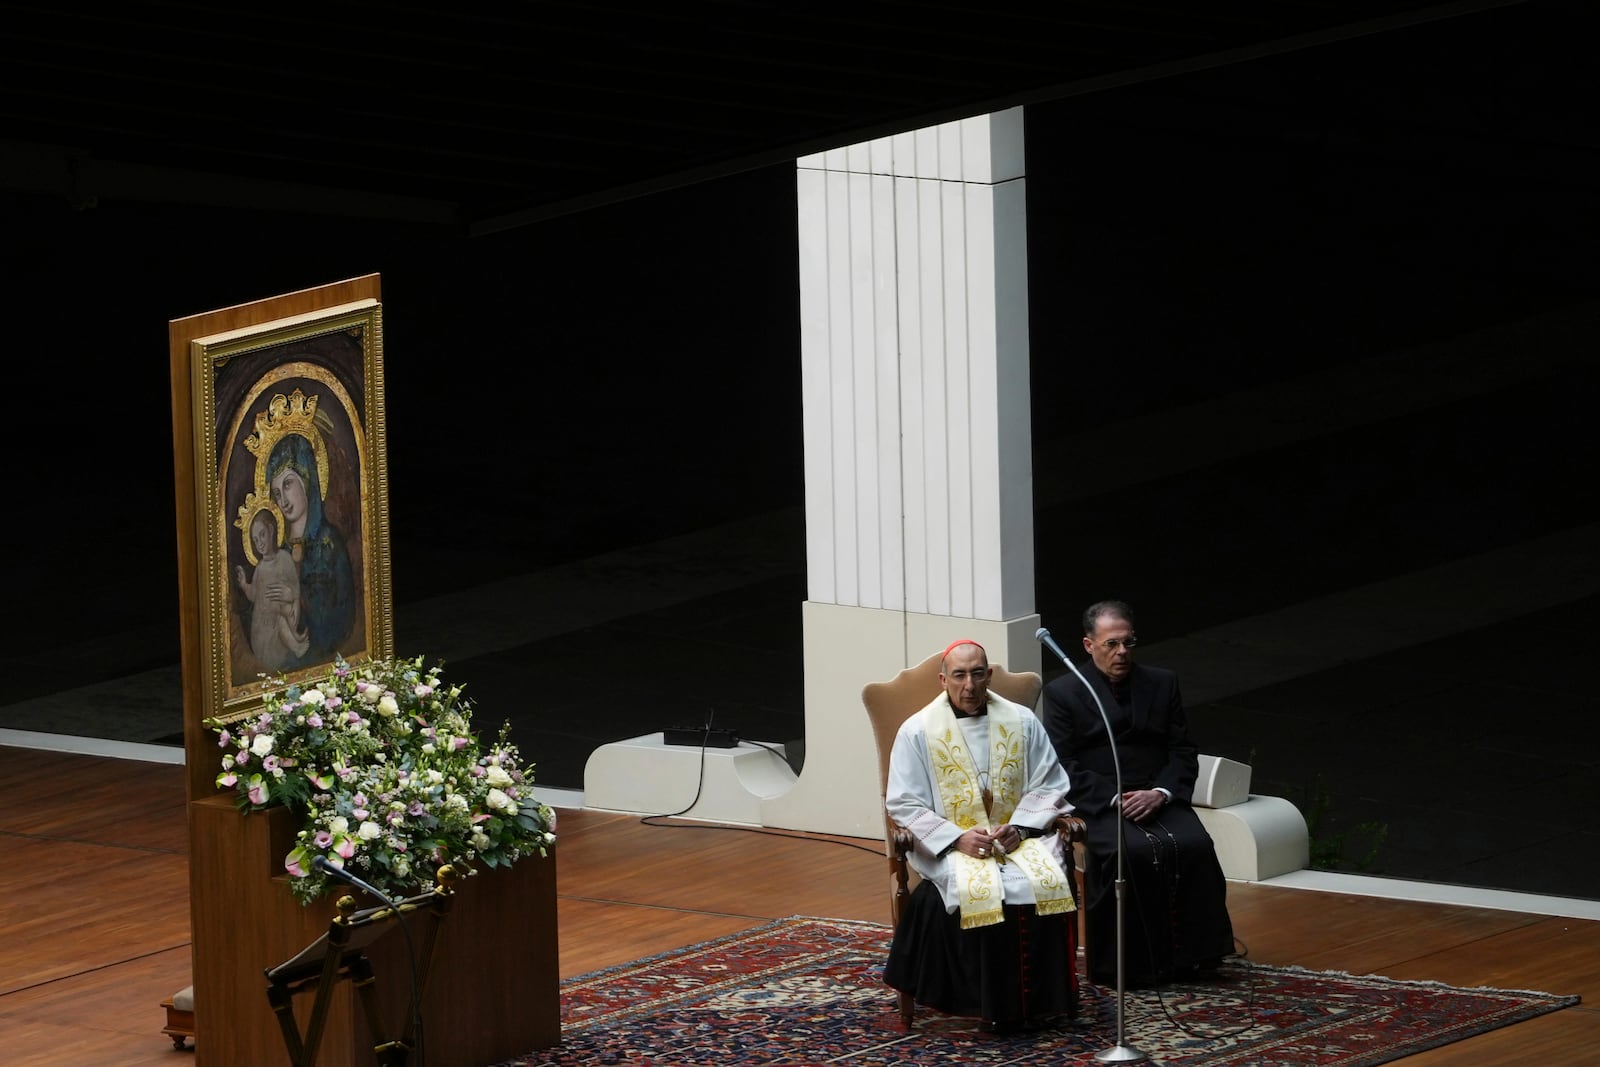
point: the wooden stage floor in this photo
(95, 915)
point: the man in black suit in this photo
(1176, 902)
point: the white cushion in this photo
(1222, 783)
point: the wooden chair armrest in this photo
(1072, 828)
(900, 843)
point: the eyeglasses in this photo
(1114, 643)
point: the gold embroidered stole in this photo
(960, 785)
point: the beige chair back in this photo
(891, 703)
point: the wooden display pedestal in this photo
(493, 994)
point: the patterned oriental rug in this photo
(800, 992)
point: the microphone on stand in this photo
(1121, 1052)
(322, 866)
(1043, 637)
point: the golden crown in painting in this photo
(295, 413)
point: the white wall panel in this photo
(890, 531)
(841, 382)
(880, 156)
(992, 147)
(925, 154)
(903, 153)
(983, 389)
(949, 141)
(862, 484)
(912, 456)
(816, 412)
(959, 399)
(934, 513)
(974, 146)
(858, 158)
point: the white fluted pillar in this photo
(919, 500)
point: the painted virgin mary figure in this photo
(327, 586)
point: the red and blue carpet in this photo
(810, 991)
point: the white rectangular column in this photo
(918, 439)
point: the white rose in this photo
(497, 777)
(387, 707)
(338, 825)
(500, 802)
(369, 831)
(370, 693)
(480, 840)
(313, 697)
(262, 744)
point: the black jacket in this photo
(1151, 731)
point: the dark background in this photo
(630, 373)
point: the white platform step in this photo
(646, 776)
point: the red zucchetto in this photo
(957, 643)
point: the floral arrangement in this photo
(381, 766)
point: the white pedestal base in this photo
(1261, 838)
(845, 648)
(644, 776)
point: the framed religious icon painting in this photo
(292, 518)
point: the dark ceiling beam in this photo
(1100, 83)
(249, 161)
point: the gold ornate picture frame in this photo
(292, 527)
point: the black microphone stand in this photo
(321, 864)
(1121, 1052)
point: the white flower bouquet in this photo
(380, 764)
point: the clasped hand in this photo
(1140, 804)
(985, 843)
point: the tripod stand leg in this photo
(392, 1052)
(282, 1000)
